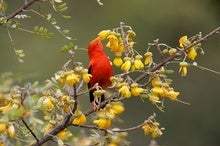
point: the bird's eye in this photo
(97, 44)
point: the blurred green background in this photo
(194, 125)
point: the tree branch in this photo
(19, 10)
(32, 133)
(179, 53)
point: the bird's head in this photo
(95, 47)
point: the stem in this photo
(32, 133)
(21, 9)
(179, 53)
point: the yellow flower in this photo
(173, 95)
(135, 90)
(147, 129)
(148, 58)
(172, 51)
(156, 133)
(64, 134)
(112, 144)
(48, 104)
(65, 102)
(131, 33)
(103, 34)
(121, 48)
(153, 98)
(2, 126)
(72, 78)
(65, 98)
(11, 130)
(183, 68)
(183, 41)
(103, 123)
(47, 128)
(108, 112)
(5, 109)
(79, 119)
(124, 90)
(117, 61)
(113, 43)
(131, 44)
(85, 76)
(157, 90)
(1, 142)
(127, 64)
(138, 63)
(118, 107)
(155, 80)
(192, 53)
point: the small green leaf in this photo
(63, 9)
(63, 5)
(41, 29)
(66, 31)
(36, 28)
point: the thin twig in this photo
(156, 43)
(149, 120)
(19, 10)
(179, 53)
(32, 133)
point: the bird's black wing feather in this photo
(89, 86)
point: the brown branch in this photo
(149, 120)
(156, 43)
(21, 9)
(179, 53)
(67, 119)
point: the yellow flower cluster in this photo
(11, 103)
(7, 128)
(47, 103)
(64, 102)
(125, 89)
(153, 129)
(72, 77)
(161, 89)
(107, 114)
(116, 138)
(64, 134)
(128, 63)
(79, 118)
(184, 42)
(115, 41)
(116, 44)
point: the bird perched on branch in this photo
(100, 68)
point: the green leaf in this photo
(63, 5)
(63, 9)
(66, 31)
(68, 47)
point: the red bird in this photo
(99, 67)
